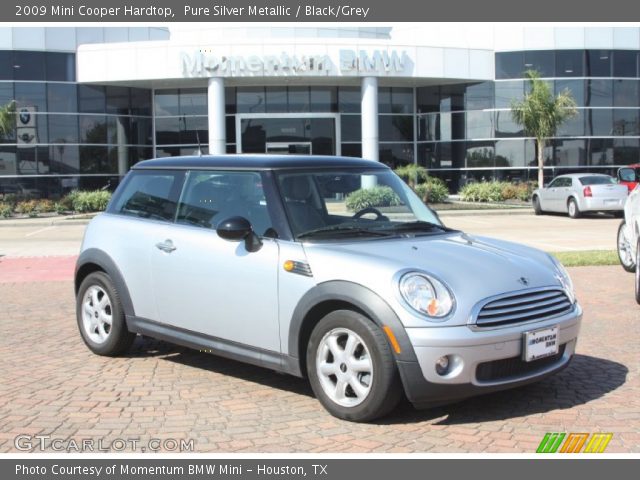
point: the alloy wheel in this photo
(344, 367)
(97, 314)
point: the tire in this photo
(625, 254)
(572, 207)
(98, 302)
(368, 393)
(536, 205)
(637, 275)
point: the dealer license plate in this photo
(540, 343)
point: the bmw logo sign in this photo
(25, 116)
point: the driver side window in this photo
(210, 197)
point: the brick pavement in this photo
(52, 385)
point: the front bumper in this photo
(473, 347)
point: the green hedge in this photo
(89, 201)
(496, 192)
(76, 201)
(371, 197)
(433, 191)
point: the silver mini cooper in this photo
(323, 267)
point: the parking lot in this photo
(38, 237)
(53, 386)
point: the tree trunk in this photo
(541, 144)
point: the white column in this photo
(369, 104)
(369, 99)
(217, 125)
(121, 138)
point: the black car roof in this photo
(261, 162)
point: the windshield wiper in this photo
(418, 225)
(343, 229)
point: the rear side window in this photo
(150, 195)
(597, 180)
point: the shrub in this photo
(10, 199)
(432, 191)
(510, 191)
(45, 206)
(6, 210)
(482, 192)
(412, 173)
(524, 193)
(28, 207)
(93, 201)
(371, 197)
(60, 208)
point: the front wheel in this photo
(574, 210)
(351, 367)
(625, 255)
(100, 316)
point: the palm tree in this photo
(8, 120)
(541, 113)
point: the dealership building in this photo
(93, 101)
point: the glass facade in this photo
(322, 118)
(70, 135)
(465, 131)
(67, 135)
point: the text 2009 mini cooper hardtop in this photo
(283, 262)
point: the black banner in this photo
(325, 469)
(316, 11)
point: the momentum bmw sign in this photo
(207, 63)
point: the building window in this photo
(569, 63)
(598, 63)
(509, 65)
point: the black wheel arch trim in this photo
(105, 262)
(365, 300)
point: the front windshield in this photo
(327, 204)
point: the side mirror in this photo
(235, 229)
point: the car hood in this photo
(474, 268)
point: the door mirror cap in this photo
(235, 229)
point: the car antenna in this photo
(184, 119)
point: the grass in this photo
(478, 206)
(587, 258)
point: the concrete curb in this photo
(488, 211)
(47, 221)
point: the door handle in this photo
(166, 246)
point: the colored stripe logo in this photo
(574, 443)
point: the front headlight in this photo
(564, 278)
(425, 294)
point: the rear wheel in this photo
(536, 206)
(100, 316)
(351, 367)
(574, 210)
(625, 253)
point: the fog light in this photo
(442, 365)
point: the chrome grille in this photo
(523, 307)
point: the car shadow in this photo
(149, 347)
(585, 215)
(586, 379)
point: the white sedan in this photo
(629, 237)
(577, 193)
